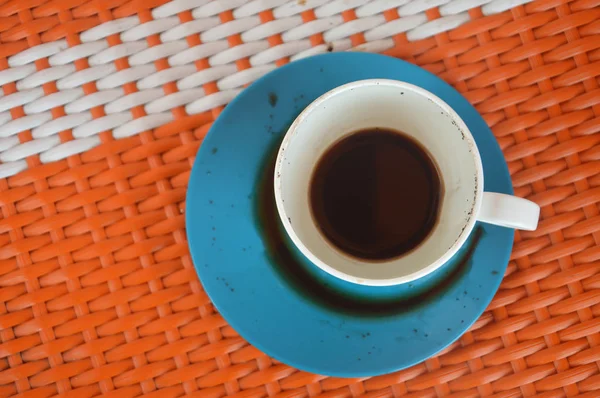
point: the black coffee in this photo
(376, 194)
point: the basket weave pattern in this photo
(98, 294)
(130, 72)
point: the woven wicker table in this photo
(103, 106)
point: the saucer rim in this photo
(228, 308)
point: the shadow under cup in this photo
(328, 292)
(390, 105)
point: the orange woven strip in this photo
(97, 289)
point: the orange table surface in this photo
(98, 293)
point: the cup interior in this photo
(392, 105)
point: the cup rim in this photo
(448, 254)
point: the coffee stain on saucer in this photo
(283, 257)
(273, 99)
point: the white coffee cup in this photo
(420, 114)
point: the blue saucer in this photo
(278, 300)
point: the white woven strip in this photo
(183, 71)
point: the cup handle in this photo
(509, 211)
